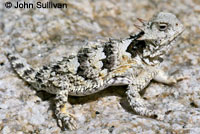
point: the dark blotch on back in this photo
(38, 74)
(56, 67)
(13, 58)
(27, 72)
(108, 62)
(19, 65)
(39, 80)
(45, 68)
(82, 59)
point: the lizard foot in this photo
(67, 121)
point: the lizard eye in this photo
(162, 26)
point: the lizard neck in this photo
(151, 54)
(148, 52)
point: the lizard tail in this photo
(21, 67)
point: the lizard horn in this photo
(138, 27)
(142, 21)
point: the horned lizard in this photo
(133, 61)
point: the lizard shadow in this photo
(110, 91)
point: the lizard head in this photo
(159, 35)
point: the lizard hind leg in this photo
(21, 67)
(65, 119)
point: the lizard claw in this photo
(181, 77)
(178, 77)
(67, 121)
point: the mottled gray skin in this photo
(133, 61)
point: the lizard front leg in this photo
(138, 104)
(65, 119)
(134, 98)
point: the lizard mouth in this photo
(166, 45)
(171, 39)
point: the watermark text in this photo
(29, 5)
